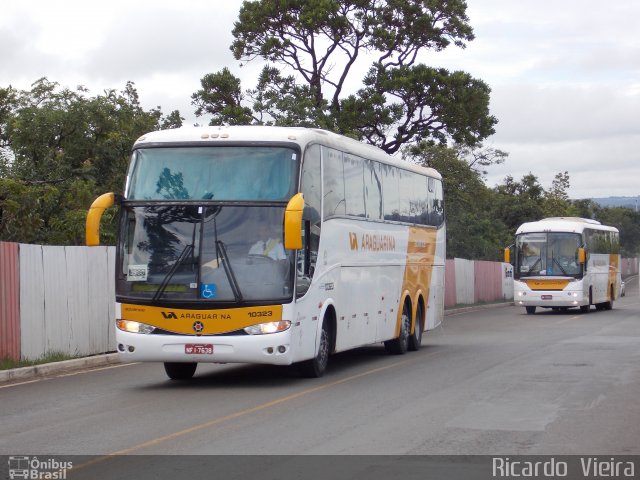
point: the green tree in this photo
(61, 149)
(400, 101)
(584, 208)
(556, 201)
(221, 97)
(519, 202)
(480, 157)
(472, 229)
(627, 221)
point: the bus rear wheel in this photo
(609, 305)
(415, 340)
(400, 345)
(180, 371)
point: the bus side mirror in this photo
(92, 228)
(507, 255)
(582, 256)
(293, 223)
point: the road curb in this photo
(473, 308)
(56, 368)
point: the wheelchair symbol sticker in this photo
(208, 290)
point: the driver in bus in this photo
(530, 258)
(268, 245)
(569, 256)
(564, 254)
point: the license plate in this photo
(547, 297)
(198, 349)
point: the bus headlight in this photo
(134, 327)
(266, 328)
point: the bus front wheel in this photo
(530, 310)
(316, 367)
(180, 371)
(587, 308)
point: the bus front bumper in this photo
(551, 299)
(272, 348)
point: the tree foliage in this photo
(324, 45)
(61, 149)
(473, 231)
(481, 221)
(626, 220)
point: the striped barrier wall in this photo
(465, 281)
(9, 302)
(67, 300)
(629, 266)
(487, 281)
(468, 282)
(450, 283)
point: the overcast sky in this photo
(564, 74)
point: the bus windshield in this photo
(215, 253)
(554, 253)
(247, 173)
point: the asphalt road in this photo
(493, 381)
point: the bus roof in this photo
(563, 224)
(254, 133)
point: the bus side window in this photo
(391, 193)
(310, 186)
(354, 185)
(333, 170)
(373, 190)
(437, 211)
(419, 200)
(405, 192)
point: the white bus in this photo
(564, 262)
(272, 245)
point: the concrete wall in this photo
(450, 283)
(629, 266)
(465, 280)
(468, 282)
(56, 299)
(66, 300)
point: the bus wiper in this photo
(555, 260)
(535, 263)
(221, 254)
(188, 249)
(221, 251)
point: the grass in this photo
(6, 363)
